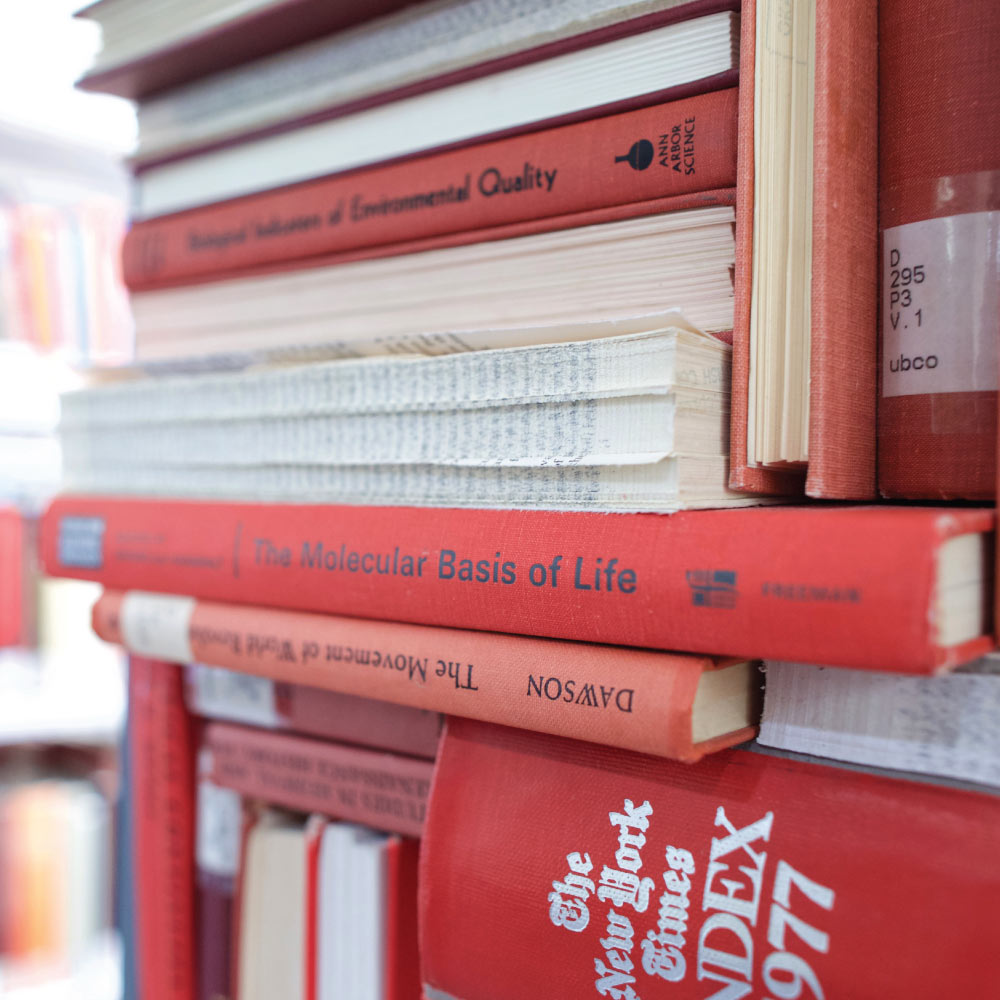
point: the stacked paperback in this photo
(482, 352)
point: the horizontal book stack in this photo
(485, 357)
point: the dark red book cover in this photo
(215, 925)
(844, 272)
(939, 218)
(557, 869)
(402, 954)
(265, 698)
(677, 148)
(847, 586)
(161, 745)
(381, 790)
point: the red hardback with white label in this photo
(848, 586)
(939, 217)
(557, 869)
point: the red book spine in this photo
(843, 287)
(162, 749)
(553, 868)
(11, 583)
(939, 208)
(678, 148)
(380, 790)
(314, 831)
(635, 699)
(402, 954)
(805, 584)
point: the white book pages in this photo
(614, 271)
(419, 43)
(549, 89)
(945, 725)
(351, 913)
(128, 32)
(611, 431)
(334, 945)
(647, 362)
(368, 914)
(671, 484)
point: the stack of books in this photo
(447, 324)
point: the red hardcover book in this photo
(677, 148)
(263, 698)
(939, 217)
(402, 953)
(215, 923)
(849, 586)
(265, 29)
(381, 790)
(218, 839)
(843, 338)
(667, 704)
(596, 872)
(161, 746)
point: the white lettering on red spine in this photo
(568, 899)
(624, 886)
(661, 949)
(796, 968)
(725, 946)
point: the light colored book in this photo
(272, 931)
(419, 43)
(571, 83)
(351, 913)
(635, 421)
(457, 298)
(943, 726)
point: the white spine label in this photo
(225, 694)
(218, 824)
(941, 305)
(156, 625)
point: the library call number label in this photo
(941, 305)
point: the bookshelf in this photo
(450, 415)
(62, 308)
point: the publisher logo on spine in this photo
(639, 156)
(712, 588)
(81, 542)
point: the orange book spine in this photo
(681, 147)
(635, 699)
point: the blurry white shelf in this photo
(61, 698)
(98, 977)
